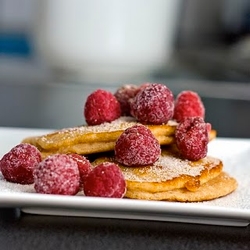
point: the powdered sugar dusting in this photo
(59, 136)
(9, 187)
(236, 163)
(168, 167)
(118, 124)
(70, 133)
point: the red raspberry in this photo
(101, 106)
(188, 104)
(18, 164)
(137, 146)
(105, 180)
(123, 95)
(57, 174)
(192, 138)
(84, 165)
(153, 104)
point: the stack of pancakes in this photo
(170, 178)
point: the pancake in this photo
(99, 138)
(175, 179)
(217, 187)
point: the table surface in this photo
(24, 231)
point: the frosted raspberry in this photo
(18, 164)
(124, 94)
(192, 138)
(101, 106)
(105, 180)
(153, 104)
(188, 104)
(83, 164)
(57, 174)
(137, 146)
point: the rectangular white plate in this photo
(232, 210)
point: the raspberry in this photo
(137, 146)
(57, 174)
(18, 164)
(105, 180)
(123, 95)
(84, 165)
(188, 104)
(101, 106)
(192, 138)
(153, 104)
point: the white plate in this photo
(232, 210)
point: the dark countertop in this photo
(23, 231)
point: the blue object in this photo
(15, 44)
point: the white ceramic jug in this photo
(103, 40)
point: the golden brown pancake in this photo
(175, 179)
(99, 138)
(219, 186)
(169, 178)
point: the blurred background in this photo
(54, 53)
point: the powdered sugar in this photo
(70, 134)
(168, 167)
(235, 154)
(118, 124)
(8, 187)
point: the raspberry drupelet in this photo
(137, 146)
(101, 106)
(188, 104)
(18, 164)
(153, 104)
(192, 138)
(57, 174)
(105, 180)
